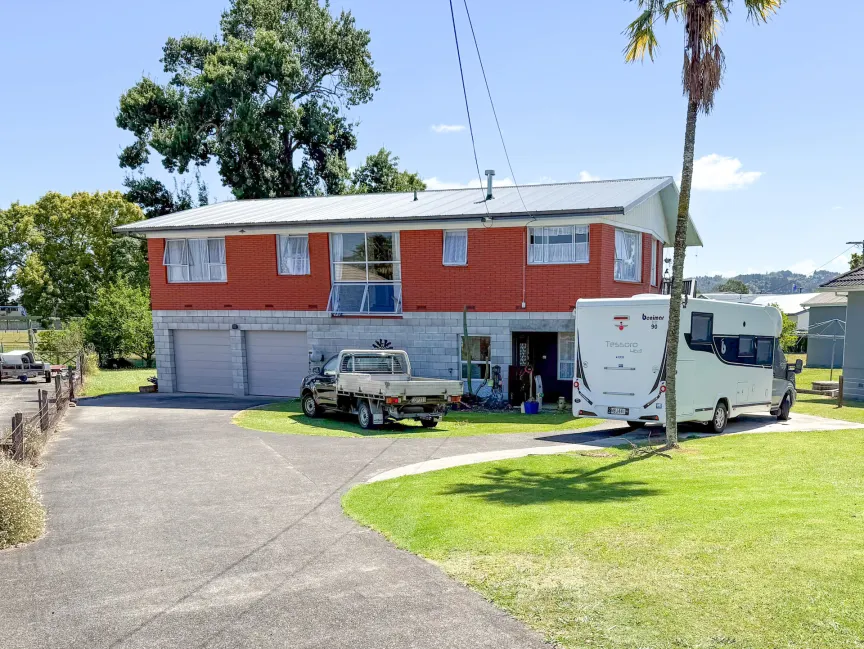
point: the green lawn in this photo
(287, 417)
(113, 381)
(742, 541)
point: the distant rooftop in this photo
(853, 280)
(607, 197)
(827, 299)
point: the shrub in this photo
(22, 517)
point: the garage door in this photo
(276, 362)
(203, 361)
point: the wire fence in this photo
(26, 438)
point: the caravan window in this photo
(746, 347)
(765, 351)
(701, 327)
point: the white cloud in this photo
(448, 128)
(807, 266)
(585, 177)
(435, 183)
(717, 173)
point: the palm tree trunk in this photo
(673, 334)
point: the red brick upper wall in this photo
(491, 281)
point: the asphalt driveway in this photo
(20, 397)
(170, 527)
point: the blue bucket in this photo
(532, 407)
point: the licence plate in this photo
(418, 399)
(619, 411)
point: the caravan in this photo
(729, 361)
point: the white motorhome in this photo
(729, 361)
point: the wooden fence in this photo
(28, 435)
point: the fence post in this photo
(81, 365)
(18, 437)
(43, 410)
(840, 393)
(72, 386)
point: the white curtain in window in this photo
(199, 260)
(559, 249)
(176, 259)
(628, 258)
(653, 262)
(455, 247)
(558, 245)
(216, 261)
(294, 252)
(566, 355)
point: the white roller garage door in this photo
(276, 362)
(203, 361)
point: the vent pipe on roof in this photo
(489, 174)
(415, 194)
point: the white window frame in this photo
(463, 364)
(616, 274)
(187, 258)
(572, 363)
(364, 309)
(653, 261)
(281, 260)
(576, 229)
(464, 261)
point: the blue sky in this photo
(780, 164)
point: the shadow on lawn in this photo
(515, 487)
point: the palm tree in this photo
(704, 64)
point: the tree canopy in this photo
(119, 322)
(16, 232)
(155, 199)
(271, 86)
(71, 250)
(380, 173)
(734, 286)
(857, 260)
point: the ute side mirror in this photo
(799, 366)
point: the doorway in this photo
(535, 353)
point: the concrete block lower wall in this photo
(431, 339)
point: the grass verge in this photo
(22, 516)
(741, 541)
(116, 381)
(287, 417)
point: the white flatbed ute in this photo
(729, 361)
(23, 366)
(377, 385)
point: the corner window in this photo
(558, 245)
(195, 260)
(746, 347)
(367, 274)
(628, 256)
(701, 328)
(293, 254)
(455, 247)
(566, 355)
(478, 347)
(653, 262)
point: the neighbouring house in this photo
(792, 304)
(852, 285)
(247, 294)
(827, 331)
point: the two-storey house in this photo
(247, 294)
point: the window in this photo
(559, 245)
(367, 275)
(478, 347)
(347, 364)
(379, 364)
(455, 247)
(746, 347)
(628, 256)
(653, 262)
(765, 351)
(566, 355)
(195, 260)
(701, 328)
(293, 254)
(329, 368)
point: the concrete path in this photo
(170, 527)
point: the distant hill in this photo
(781, 281)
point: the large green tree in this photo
(264, 99)
(857, 260)
(380, 173)
(120, 322)
(16, 234)
(73, 251)
(704, 65)
(155, 199)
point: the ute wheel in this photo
(635, 425)
(310, 408)
(428, 423)
(364, 416)
(785, 407)
(720, 418)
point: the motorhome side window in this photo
(765, 351)
(701, 327)
(746, 347)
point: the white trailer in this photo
(22, 365)
(729, 361)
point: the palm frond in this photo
(641, 37)
(759, 11)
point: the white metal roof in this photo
(827, 299)
(607, 197)
(789, 303)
